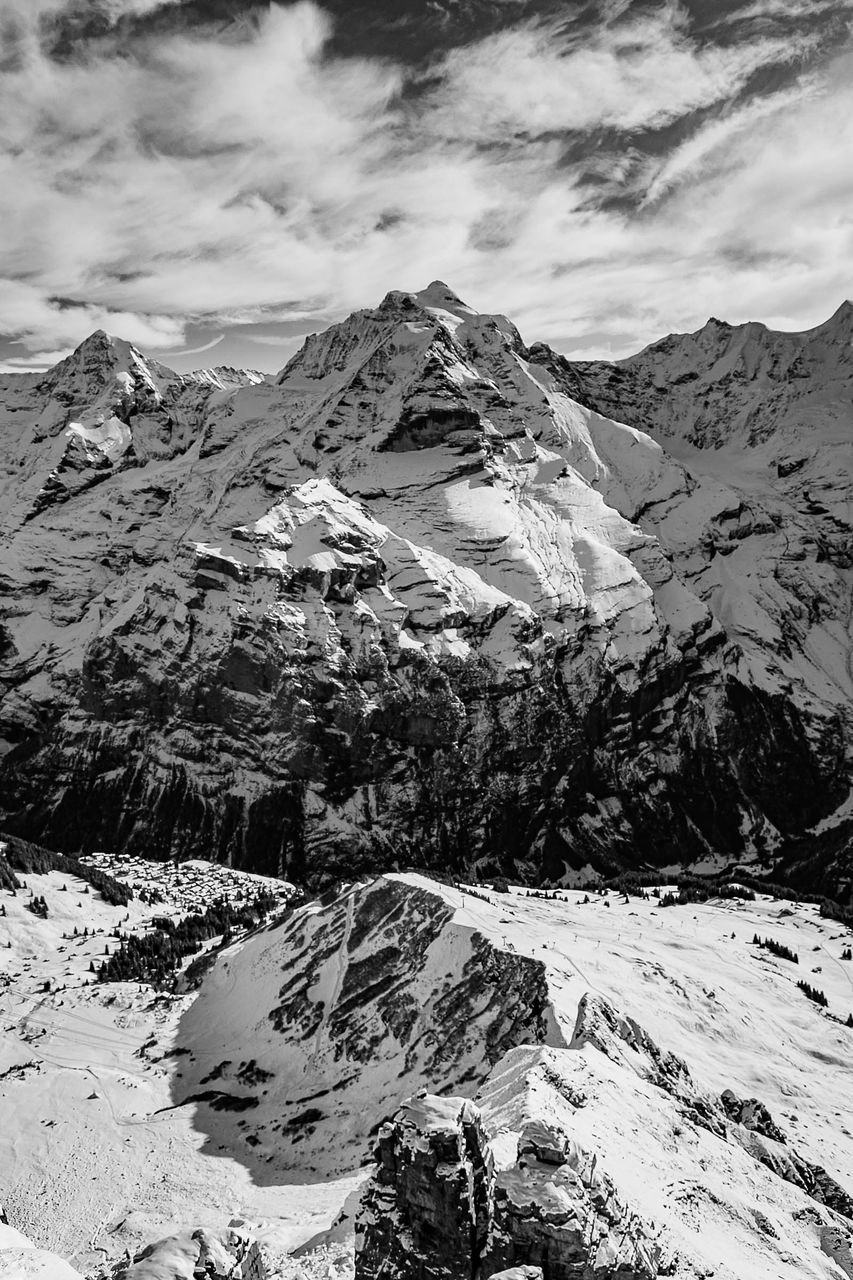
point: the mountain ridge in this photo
(426, 596)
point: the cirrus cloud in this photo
(573, 178)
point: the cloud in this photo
(716, 143)
(198, 175)
(36, 362)
(247, 178)
(195, 351)
(783, 9)
(635, 75)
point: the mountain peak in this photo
(843, 315)
(440, 295)
(101, 347)
(97, 342)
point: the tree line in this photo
(156, 956)
(776, 948)
(31, 859)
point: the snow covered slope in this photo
(338, 1014)
(415, 602)
(669, 1069)
(92, 1157)
(21, 1260)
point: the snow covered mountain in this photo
(434, 597)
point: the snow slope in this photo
(20, 1259)
(93, 1160)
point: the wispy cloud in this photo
(635, 75)
(196, 351)
(782, 9)
(36, 362)
(250, 178)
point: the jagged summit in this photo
(102, 348)
(723, 328)
(735, 382)
(438, 294)
(841, 320)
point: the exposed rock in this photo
(600, 1024)
(200, 1255)
(437, 1209)
(752, 1114)
(426, 1212)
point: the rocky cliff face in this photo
(424, 598)
(438, 1209)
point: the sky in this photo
(214, 179)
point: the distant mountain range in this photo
(434, 597)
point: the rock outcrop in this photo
(196, 1255)
(438, 1208)
(424, 599)
(608, 1154)
(518, 1180)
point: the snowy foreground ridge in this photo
(413, 1079)
(434, 597)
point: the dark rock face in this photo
(415, 604)
(423, 1205)
(752, 1114)
(437, 1209)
